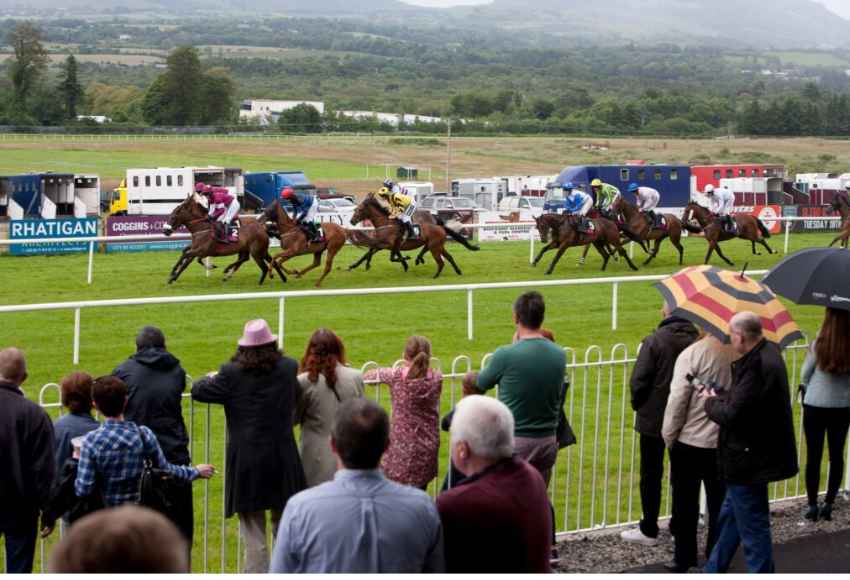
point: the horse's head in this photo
(545, 226)
(190, 210)
(369, 208)
(619, 204)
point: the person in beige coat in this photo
(691, 438)
(324, 384)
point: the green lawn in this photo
(374, 328)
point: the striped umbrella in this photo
(710, 297)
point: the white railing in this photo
(594, 483)
(282, 296)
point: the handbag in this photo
(155, 485)
(564, 433)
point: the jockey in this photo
(306, 212)
(224, 209)
(605, 195)
(395, 187)
(402, 208)
(577, 203)
(647, 200)
(722, 202)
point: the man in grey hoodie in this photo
(155, 382)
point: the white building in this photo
(99, 119)
(268, 111)
(393, 119)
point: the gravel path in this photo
(605, 552)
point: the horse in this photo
(433, 235)
(293, 241)
(644, 230)
(564, 234)
(841, 205)
(253, 241)
(748, 228)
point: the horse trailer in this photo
(158, 191)
(49, 195)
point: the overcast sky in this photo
(840, 7)
(445, 3)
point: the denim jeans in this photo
(744, 518)
(20, 545)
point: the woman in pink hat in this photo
(257, 389)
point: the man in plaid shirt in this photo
(113, 456)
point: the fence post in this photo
(631, 250)
(280, 321)
(469, 321)
(787, 235)
(76, 336)
(91, 261)
(530, 246)
(207, 264)
(614, 307)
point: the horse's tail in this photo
(691, 228)
(456, 236)
(765, 233)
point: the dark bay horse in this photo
(560, 232)
(253, 241)
(640, 226)
(841, 204)
(293, 242)
(748, 228)
(433, 235)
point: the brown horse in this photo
(841, 205)
(293, 241)
(432, 236)
(748, 228)
(564, 234)
(253, 241)
(639, 224)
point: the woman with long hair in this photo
(415, 390)
(257, 389)
(324, 384)
(826, 407)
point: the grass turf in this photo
(590, 486)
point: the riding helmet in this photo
(633, 187)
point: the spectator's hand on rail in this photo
(470, 382)
(206, 470)
(47, 530)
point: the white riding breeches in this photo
(231, 213)
(312, 213)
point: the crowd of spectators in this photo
(350, 497)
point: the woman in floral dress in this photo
(415, 390)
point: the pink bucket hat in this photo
(257, 333)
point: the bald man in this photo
(756, 445)
(27, 465)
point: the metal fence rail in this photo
(594, 483)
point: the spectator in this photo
(756, 445)
(64, 502)
(691, 438)
(325, 383)
(415, 389)
(257, 389)
(155, 384)
(650, 384)
(123, 540)
(826, 407)
(497, 520)
(530, 374)
(27, 463)
(360, 522)
(76, 397)
(113, 456)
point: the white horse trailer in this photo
(158, 191)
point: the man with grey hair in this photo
(27, 463)
(498, 519)
(756, 445)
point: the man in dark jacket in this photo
(27, 463)
(155, 382)
(650, 385)
(756, 445)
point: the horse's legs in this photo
(366, 257)
(677, 242)
(654, 252)
(184, 263)
(451, 260)
(753, 242)
(603, 251)
(275, 265)
(625, 254)
(763, 242)
(230, 270)
(317, 260)
(584, 254)
(560, 253)
(420, 259)
(725, 259)
(329, 262)
(202, 263)
(436, 251)
(551, 245)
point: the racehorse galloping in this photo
(293, 241)
(841, 204)
(564, 234)
(639, 224)
(253, 241)
(747, 227)
(432, 235)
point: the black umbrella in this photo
(818, 276)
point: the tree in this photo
(70, 88)
(182, 86)
(29, 62)
(155, 103)
(217, 95)
(305, 118)
(542, 109)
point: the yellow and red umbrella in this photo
(710, 297)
